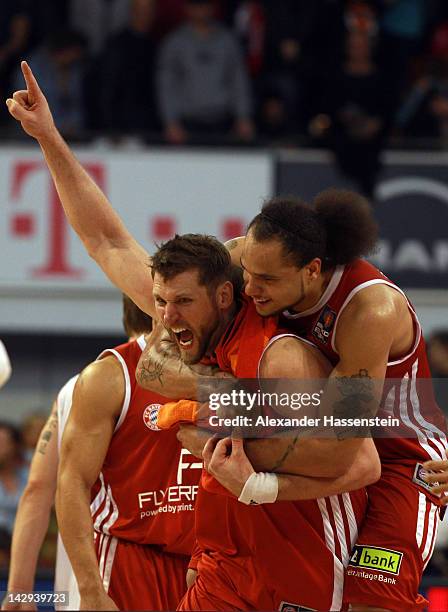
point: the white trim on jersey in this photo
(141, 342)
(430, 428)
(102, 515)
(113, 517)
(331, 288)
(338, 568)
(98, 500)
(340, 529)
(109, 561)
(63, 406)
(426, 528)
(127, 380)
(369, 283)
(420, 519)
(65, 579)
(404, 415)
(434, 529)
(352, 524)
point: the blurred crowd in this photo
(345, 74)
(255, 67)
(17, 446)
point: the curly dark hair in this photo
(337, 227)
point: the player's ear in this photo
(313, 268)
(224, 295)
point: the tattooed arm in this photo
(161, 369)
(33, 512)
(365, 332)
(235, 248)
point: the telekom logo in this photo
(55, 227)
(23, 225)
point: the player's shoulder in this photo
(379, 301)
(102, 376)
(285, 356)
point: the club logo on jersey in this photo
(324, 325)
(150, 416)
(286, 606)
(419, 473)
(374, 558)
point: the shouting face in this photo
(191, 313)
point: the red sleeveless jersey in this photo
(405, 395)
(300, 548)
(147, 487)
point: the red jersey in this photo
(405, 395)
(147, 487)
(299, 548)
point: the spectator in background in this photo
(356, 107)
(30, 432)
(438, 361)
(58, 64)
(15, 31)
(403, 26)
(98, 20)
(127, 93)
(203, 86)
(424, 111)
(13, 475)
(288, 64)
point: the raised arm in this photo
(97, 400)
(33, 514)
(89, 212)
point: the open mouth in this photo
(184, 336)
(261, 301)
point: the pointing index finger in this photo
(31, 84)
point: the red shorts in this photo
(295, 562)
(227, 584)
(139, 577)
(395, 543)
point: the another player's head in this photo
(193, 292)
(291, 244)
(10, 445)
(135, 321)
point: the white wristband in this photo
(260, 488)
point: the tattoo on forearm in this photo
(357, 397)
(291, 446)
(46, 435)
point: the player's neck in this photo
(224, 323)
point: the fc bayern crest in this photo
(150, 416)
